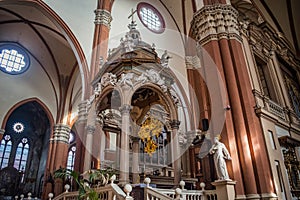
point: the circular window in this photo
(18, 127)
(150, 17)
(13, 59)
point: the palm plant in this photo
(84, 181)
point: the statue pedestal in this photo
(225, 189)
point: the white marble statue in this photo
(164, 60)
(108, 79)
(221, 154)
(126, 79)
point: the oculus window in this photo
(13, 59)
(18, 127)
(150, 17)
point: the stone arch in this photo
(169, 104)
(46, 109)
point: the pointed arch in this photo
(11, 110)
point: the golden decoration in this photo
(151, 127)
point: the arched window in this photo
(5, 149)
(22, 155)
(71, 158)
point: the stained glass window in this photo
(13, 59)
(22, 155)
(150, 17)
(5, 149)
(71, 158)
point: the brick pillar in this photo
(58, 153)
(213, 26)
(216, 28)
(101, 34)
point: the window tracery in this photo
(5, 150)
(150, 17)
(22, 155)
(13, 59)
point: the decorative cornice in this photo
(61, 133)
(265, 42)
(103, 17)
(215, 22)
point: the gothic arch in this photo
(46, 109)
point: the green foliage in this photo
(90, 177)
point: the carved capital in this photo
(175, 124)
(90, 129)
(214, 22)
(2, 131)
(192, 62)
(61, 133)
(103, 17)
(82, 114)
(125, 109)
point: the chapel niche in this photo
(25, 147)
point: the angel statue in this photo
(221, 154)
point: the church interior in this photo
(198, 94)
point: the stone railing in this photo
(107, 192)
(224, 190)
(265, 105)
(275, 109)
(178, 193)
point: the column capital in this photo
(102, 17)
(214, 22)
(82, 111)
(2, 131)
(125, 109)
(175, 124)
(90, 129)
(192, 62)
(61, 133)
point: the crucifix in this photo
(131, 15)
